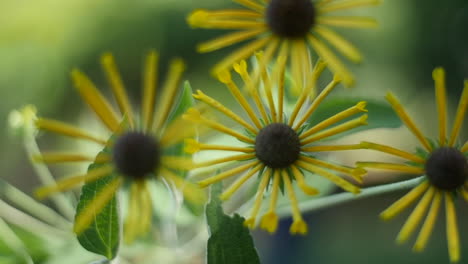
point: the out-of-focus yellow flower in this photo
(444, 164)
(137, 152)
(291, 28)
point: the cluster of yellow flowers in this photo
(275, 146)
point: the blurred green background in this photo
(41, 41)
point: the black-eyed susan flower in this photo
(138, 150)
(297, 25)
(276, 147)
(444, 165)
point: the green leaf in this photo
(102, 236)
(230, 241)
(381, 115)
(184, 102)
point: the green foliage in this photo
(185, 102)
(230, 241)
(102, 236)
(381, 115)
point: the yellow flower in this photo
(294, 27)
(444, 164)
(137, 152)
(276, 148)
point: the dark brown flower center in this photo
(290, 18)
(277, 145)
(136, 155)
(447, 168)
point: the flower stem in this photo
(29, 223)
(13, 241)
(46, 178)
(26, 203)
(337, 199)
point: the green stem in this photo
(29, 223)
(337, 199)
(46, 178)
(31, 206)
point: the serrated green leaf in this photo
(381, 115)
(230, 241)
(102, 236)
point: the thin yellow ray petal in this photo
(405, 201)
(95, 100)
(118, 88)
(71, 182)
(242, 53)
(347, 21)
(251, 4)
(199, 17)
(227, 174)
(298, 226)
(223, 160)
(239, 182)
(220, 107)
(306, 61)
(241, 69)
(465, 147)
(355, 173)
(195, 116)
(331, 148)
(269, 221)
(391, 166)
(229, 39)
(67, 130)
(441, 99)
(147, 209)
(460, 116)
(358, 108)
(464, 193)
(392, 151)
(317, 101)
(341, 44)
(330, 176)
(169, 91)
(280, 74)
(429, 223)
(302, 183)
(360, 121)
(193, 146)
(150, 80)
(262, 70)
(59, 157)
(232, 23)
(343, 5)
(452, 229)
(400, 111)
(177, 162)
(251, 221)
(311, 85)
(177, 131)
(225, 77)
(83, 220)
(191, 191)
(332, 60)
(416, 216)
(131, 221)
(297, 68)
